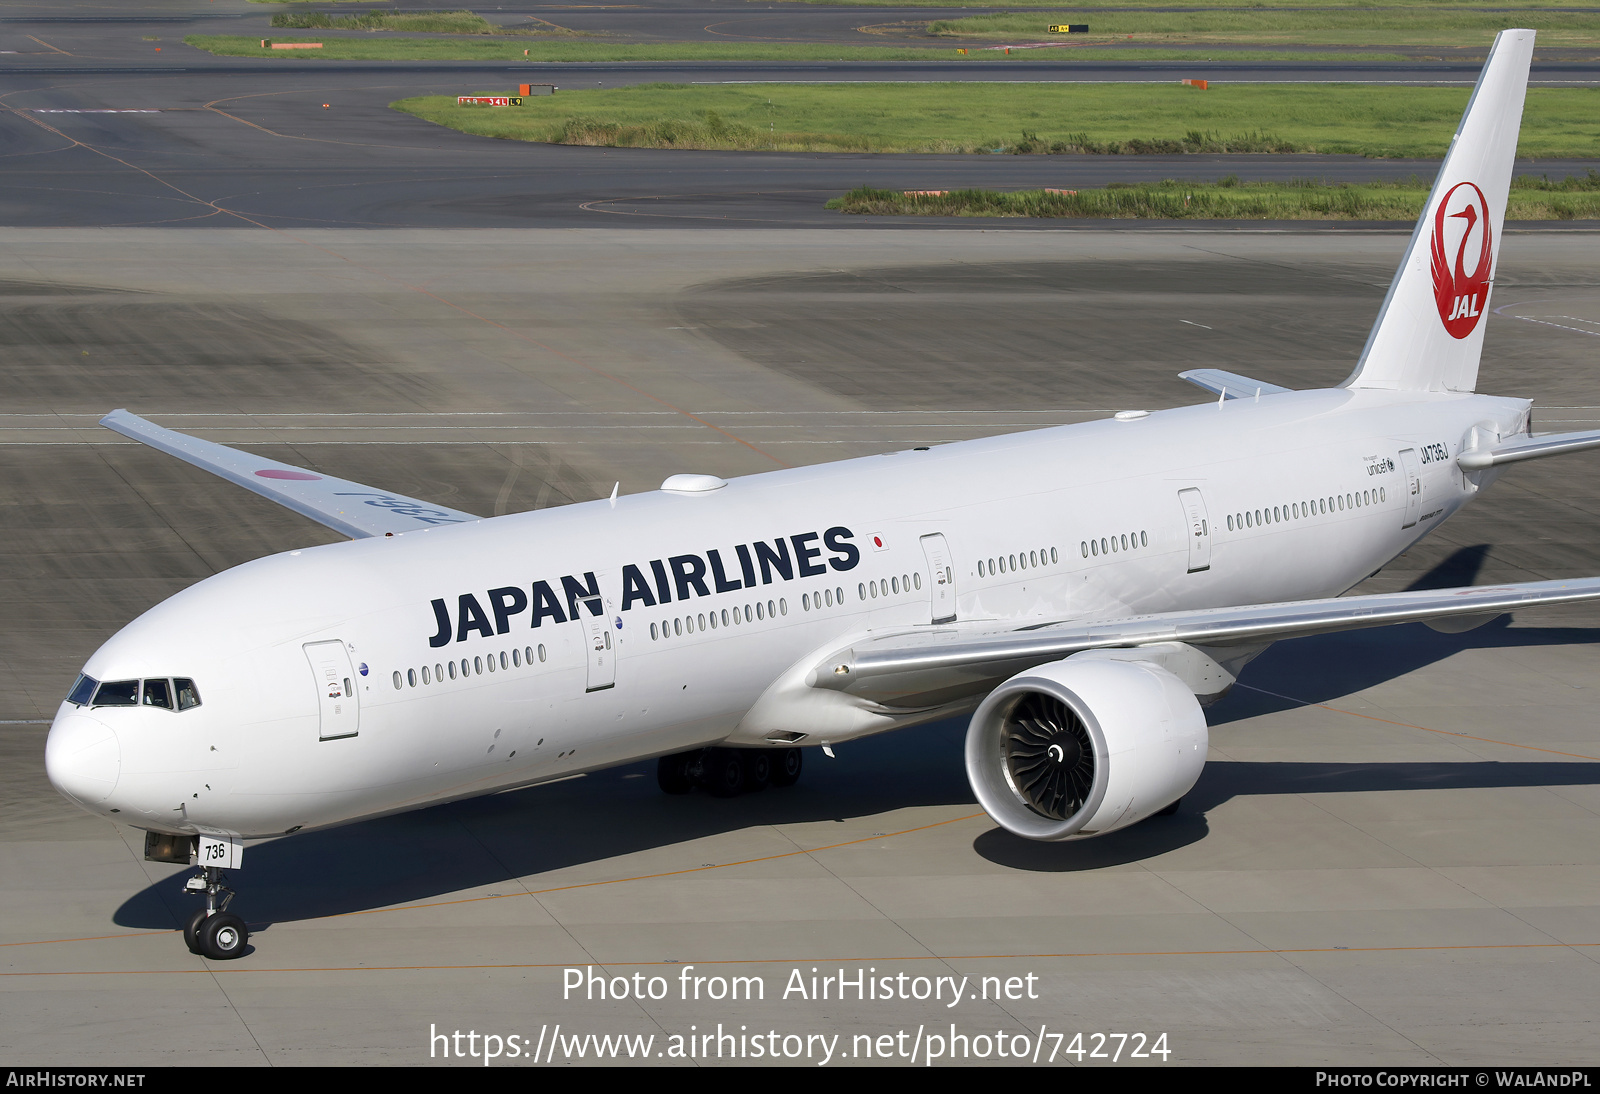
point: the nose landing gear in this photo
(213, 931)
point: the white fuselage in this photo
(270, 749)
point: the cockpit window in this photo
(176, 694)
(117, 693)
(158, 693)
(188, 694)
(83, 690)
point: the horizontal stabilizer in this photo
(1229, 385)
(1527, 448)
(347, 507)
(900, 669)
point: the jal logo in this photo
(1461, 234)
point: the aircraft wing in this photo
(1229, 385)
(900, 669)
(347, 507)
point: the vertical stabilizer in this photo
(1429, 333)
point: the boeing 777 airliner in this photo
(1081, 591)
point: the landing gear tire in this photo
(1169, 810)
(722, 772)
(212, 931)
(191, 930)
(786, 767)
(757, 770)
(673, 773)
(222, 937)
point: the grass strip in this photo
(436, 22)
(551, 48)
(1310, 26)
(1575, 198)
(1022, 118)
(546, 44)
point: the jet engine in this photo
(1085, 746)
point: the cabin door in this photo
(338, 706)
(600, 638)
(1198, 528)
(1413, 470)
(941, 578)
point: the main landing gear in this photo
(213, 931)
(726, 772)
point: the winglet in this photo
(347, 507)
(1429, 332)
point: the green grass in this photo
(550, 48)
(1037, 118)
(1228, 199)
(546, 49)
(436, 22)
(1317, 26)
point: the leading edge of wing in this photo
(347, 507)
(959, 651)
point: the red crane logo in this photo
(1461, 295)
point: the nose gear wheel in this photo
(212, 931)
(1049, 756)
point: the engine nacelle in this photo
(1084, 746)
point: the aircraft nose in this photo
(82, 758)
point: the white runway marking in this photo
(1575, 330)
